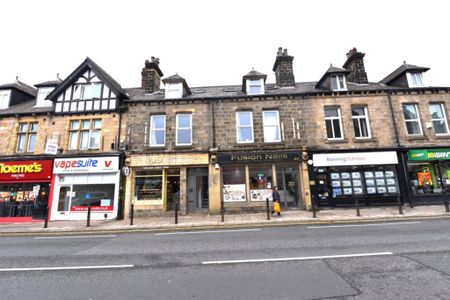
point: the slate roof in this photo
(88, 63)
(19, 85)
(331, 70)
(235, 91)
(402, 69)
(48, 83)
(26, 107)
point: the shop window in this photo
(184, 130)
(360, 119)
(148, 185)
(333, 122)
(244, 126)
(78, 197)
(234, 184)
(260, 182)
(26, 137)
(271, 123)
(84, 134)
(437, 112)
(412, 120)
(425, 177)
(157, 131)
(372, 181)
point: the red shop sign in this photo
(26, 170)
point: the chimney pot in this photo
(285, 52)
(280, 49)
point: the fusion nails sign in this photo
(86, 165)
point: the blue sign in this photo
(87, 196)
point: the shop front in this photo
(339, 178)
(24, 189)
(80, 182)
(160, 181)
(429, 174)
(248, 178)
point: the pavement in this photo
(202, 221)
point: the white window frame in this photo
(178, 128)
(27, 135)
(78, 134)
(335, 80)
(255, 83)
(277, 126)
(339, 117)
(360, 119)
(444, 118)
(41, 95)
(152, 129)
(414, 79)
(238, 126)
(174, 90)
(416, 109)
(5, 96)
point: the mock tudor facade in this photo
(204, 149)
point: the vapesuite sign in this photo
(86, 165)
(26, 170)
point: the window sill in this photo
(416, 138)
(443, 137)
(183, 147)
(156, 147)
(336, 141)
(368, 140)
(244, 144)
(274, 143)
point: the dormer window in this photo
(4, 98)
(174, 90)
(415, 79)
(42, 94)
(255, 86)
(338, 83)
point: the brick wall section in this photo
(57, 127)
(288, 109)
(380, 120)
(429, 138)
(139, 114)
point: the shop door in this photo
(41, 202)
(65, 192)
(288, 186)
(172, 191)
(198, 197)
(322, 193)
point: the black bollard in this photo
(46, 217)
(400, 207)
(446, 205)
(132, 215)
(222, 211)
(268, 208)
(357, 207)
(88, 222)
(314, 211)
(176, 213)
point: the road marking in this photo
(66, 268)
(74, 237)
(209, 231)
(219, 262)
(362, 225)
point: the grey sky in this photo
(217, 42)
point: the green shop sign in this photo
(430, 154)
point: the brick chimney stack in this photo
(284, 73)
(355, 64)
(151, 76)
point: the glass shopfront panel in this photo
(429, 177)
(148, 185)
(363, 181)
(260, 182)
(234, 184)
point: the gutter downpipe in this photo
(399, 147)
